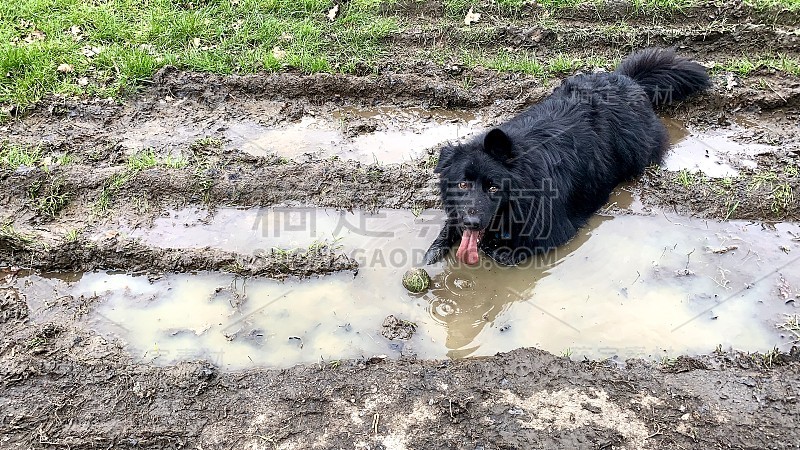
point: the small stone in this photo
(416, 280)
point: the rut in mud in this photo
(166, 261)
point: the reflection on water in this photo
(710, 151)
(466, 299)
(382, 134)
(644, 286)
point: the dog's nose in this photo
(472, 222)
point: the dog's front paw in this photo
(434, 254)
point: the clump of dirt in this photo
(394, 328)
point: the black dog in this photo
(528, 185)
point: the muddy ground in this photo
(70, 388)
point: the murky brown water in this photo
(709, 151)
(391, 135)
(647, 286)
(385, 135)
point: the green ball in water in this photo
(416, 280)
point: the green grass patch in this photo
(782, 197)
(15, 237)
(72, 235)
(107, 48)
(686, 178)
(527, 63)
(49, 198)
(563, 64)
(143, 160)
(745, 65)
(147, 159)
(15, 156)
(790, 5)
(514, 62)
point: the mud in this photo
(677, 284)
(95, 237)
(523, 399)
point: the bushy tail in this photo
(663, 75)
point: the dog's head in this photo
(475, 180)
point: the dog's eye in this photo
(493, 189)
(463, 185)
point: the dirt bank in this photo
(61, 388)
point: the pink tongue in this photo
(468, 250)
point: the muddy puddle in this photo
(384, 135)
(627, 286)
(712, 152)
(375, 134)
(389, 135)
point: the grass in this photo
(746, 65)
(782, 197)
(790, 5)
(107, 48)
(143, 160)
(16, 156)
(110, 189)
(15, 237)
(686, 178)
(147, 159)
(521, 61)
(49, 198)
(72, 235)
(63, 159)
(514, 62)
(563, 64)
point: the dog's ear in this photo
(498, 145)
(446, 155)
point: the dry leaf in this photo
(65, 68)
(196, 42)
(471, 17)
(278, 53)
(333, 12)
(35, 35)
(90, 51)
(83, 81)
(76, 32)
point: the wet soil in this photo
(64, 385)
(62, 389)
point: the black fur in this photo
(532, 182)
